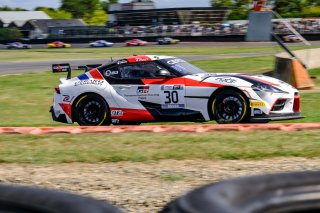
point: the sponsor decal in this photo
(175, 61)
(138, 59)
(172, 87)
(143, 89)
(226, 80)
(257, 104)
(172, 106)
(87, 82)
(115, 121)
(116, 113)
(122, 62)
(109, 73)
(67, 98)
(61, 68)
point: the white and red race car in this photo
(149, 88)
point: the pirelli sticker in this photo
(257, 104)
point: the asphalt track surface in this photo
(9, 68)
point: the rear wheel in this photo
(229, 106)
(92, 110)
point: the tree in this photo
(239, 8)
(98, 17)
(105, 4)
(6, 8)
(55, 14)
(292, 8)
(10, 34)
(78, 8)
(221, 3)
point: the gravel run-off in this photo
(143, 187)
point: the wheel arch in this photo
(73, 106)
(217, 91)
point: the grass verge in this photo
(94, 148)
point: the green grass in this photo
(93, 53)
(142, 147)
(241, 65)
(25, 99)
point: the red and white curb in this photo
(160, 128)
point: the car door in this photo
(141, 87)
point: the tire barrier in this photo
(285, 193)
(18, 199)
(160, 128)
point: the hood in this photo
(248, 78)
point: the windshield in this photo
(181, 66)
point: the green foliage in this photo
(105, 4)
(10, 34)
(221, 3)
(6, 8)
(239, 8)
(313, 11)
(288, 9)
(55, 14)
(98, 17)
(78, 8)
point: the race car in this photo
(58, 44)
(101, 43)
(136, 42)
(291, 38)
(18, 45)
(167, 40)
(149, 88)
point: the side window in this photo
(140, 70)
(112, 72)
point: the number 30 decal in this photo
(171, 97)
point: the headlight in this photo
(261, 87)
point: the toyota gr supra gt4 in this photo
(18, 45)
(136, 42)
(168, 40)
(146, 88)
(58, 44)
(101, 43)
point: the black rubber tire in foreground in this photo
(91, 110)
(286, 192)
(229, 106)
(21, 199)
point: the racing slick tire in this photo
(23, 199)
(91, 110)
(272, 193)
(229, 106)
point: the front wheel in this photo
(91, 110)
(230, 106)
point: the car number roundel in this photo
(172, 96)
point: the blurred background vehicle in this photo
(101, 43)
(58, 44)
(168, 40)
(291, 38)
(136, 42)
(18, 45)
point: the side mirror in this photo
(163, 73)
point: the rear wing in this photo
(58, 68)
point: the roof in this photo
(44, 24)
(9, 16)
(141, 58)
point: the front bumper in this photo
(276, 117)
